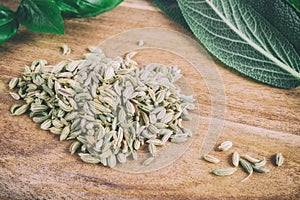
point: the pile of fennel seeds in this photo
(110, 107)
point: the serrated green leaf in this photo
(171, 8)
(86, 8)
(242, 39)
(8, 24)
(41, 16)
(281, 16)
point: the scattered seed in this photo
(279, 159)
(261, 163)
(148, 161)
(140, 43)
(260, 170)
(251, 159)
(178, 140)
(247, 167)
(65, 49)
(224, 171)
(225, 146)
(235, 159)
(14, 95)
(211, 159)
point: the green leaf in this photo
(64, 7)
(242, 39)
(281, 16)
(295, 4)
(8, 24)
(277, 12)
(171, 8)
(41, 16)
(85, 8)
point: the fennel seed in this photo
(140, 43)
(224, 171)
(148, 161)
(235, 159)
(225, 146)
(211, 159)
(74, 146)
(251, 159)
(260, 170)
(247, 168)
(14, 95)
(65, 49)
(261, 163)
(14, 107)
(21, 110)
(13, 83)
(279, 159)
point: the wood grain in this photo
(260, 120)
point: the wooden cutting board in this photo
(260, 120)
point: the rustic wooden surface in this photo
(260, 120)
